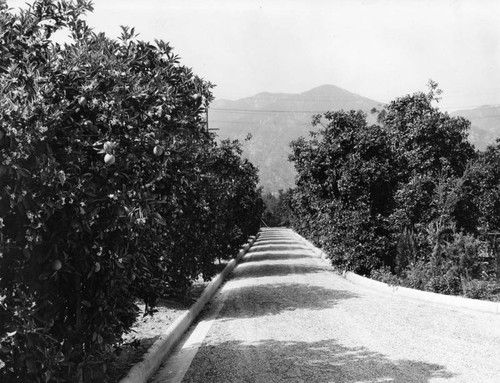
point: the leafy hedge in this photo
(111, 188)
(407, 199)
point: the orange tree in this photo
(237, 201)
(344, 188)
(387, 194)
(106, 189)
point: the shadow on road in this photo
(272, 299)
(323, 361)
(278, 246)
(277, 255)
(277, 262)
(269, 269)
(278, 241)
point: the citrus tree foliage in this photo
(483, 180)
(111, 188)
(431, 150)
(389, 194)
(275, 213)
(345, 182)
(426, 140)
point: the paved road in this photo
(285, 317)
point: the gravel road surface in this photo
(284, 316)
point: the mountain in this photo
(276, 119)
(485, 124)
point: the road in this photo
(285, 316)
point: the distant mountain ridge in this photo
(276, 119)
(319, 99)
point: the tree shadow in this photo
(273, 237)
(269, 361)
(276, 263)
(268, 269)
(273, 246)
(278, 240)
(272, 299)
(283, 255)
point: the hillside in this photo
(276, 119)
(485, 122)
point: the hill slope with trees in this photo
(275, 119)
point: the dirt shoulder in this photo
(145, 332)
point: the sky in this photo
(380, 49)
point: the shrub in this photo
(385, 275)
(416, 275)
(481, 289)
(452, 262)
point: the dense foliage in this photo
(275, 211)
(111, 188)
(407, 200)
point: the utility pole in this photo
(206, 118)
(206, 121)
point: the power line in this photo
(260, 111)
(471, 107)
(378, 104)
(484, 117)
(257, 111)
(301, 99)
(234, 122)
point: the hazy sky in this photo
(379, 48)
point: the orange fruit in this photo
(158, 150)
(56, 265)
(109, 159)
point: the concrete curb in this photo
(153, 358)
(426, 296)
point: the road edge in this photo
(426, 296)
(153, 358)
